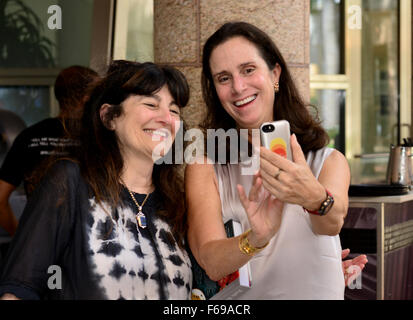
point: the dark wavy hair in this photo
(288, 105)
(100, 159)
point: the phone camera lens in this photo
(268, 128)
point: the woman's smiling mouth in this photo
(243, 102)
(159, 134)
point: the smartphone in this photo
(275, 136)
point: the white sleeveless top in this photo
(296, 264)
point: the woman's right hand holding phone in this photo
(264, 212)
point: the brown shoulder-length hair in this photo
(100, 159)
(288, 105)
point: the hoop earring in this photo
(276, 87)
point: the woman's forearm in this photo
(220, 258)
(332, 222)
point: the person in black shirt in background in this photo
(43, 139)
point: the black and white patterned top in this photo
(100, 256)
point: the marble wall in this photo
(182, 27)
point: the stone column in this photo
(181, 28)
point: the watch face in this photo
(326, 206)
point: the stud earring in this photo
(276, 87)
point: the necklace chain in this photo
(136, 202)
(140, 217)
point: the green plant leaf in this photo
(22, 43)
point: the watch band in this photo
(325, 205)
(245, 247)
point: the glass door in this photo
(360, 78)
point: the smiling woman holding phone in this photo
(291, 211)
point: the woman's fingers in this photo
(298, 154)
(255, 188)
(360, 261)
(242, 196)
(345, 253)
(253, 195)
(353, 267)
(275, 159)
(268, 168)
(270, 188)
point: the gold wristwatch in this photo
(246, 247)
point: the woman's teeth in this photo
(156, 132)
(245, 101)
